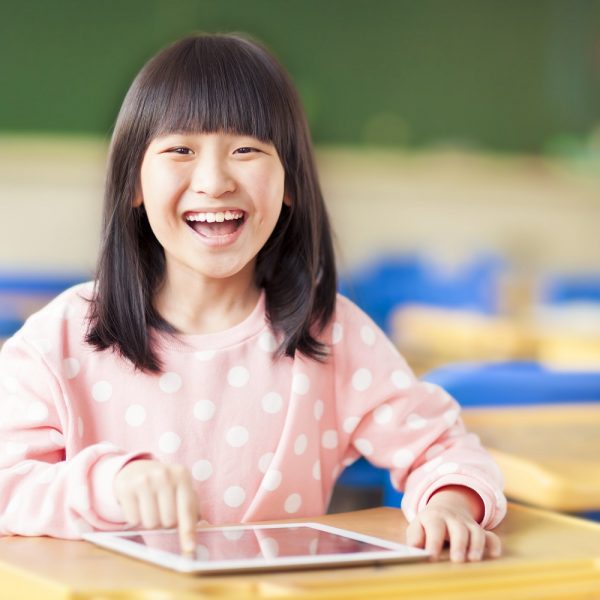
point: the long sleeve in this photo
(404, 425)
(44, 491)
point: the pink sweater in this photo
(263, 438)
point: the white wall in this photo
(540, 214)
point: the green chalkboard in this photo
(500, 74)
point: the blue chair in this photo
(21, 292)
(390, 281)
(559, 289)
(516, 384)
(362, 474)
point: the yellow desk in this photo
(546, 555)
(549, 455)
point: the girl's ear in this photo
(287, 200)
(137, 201)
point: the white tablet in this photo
(257, 547)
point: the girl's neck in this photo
(200, 305)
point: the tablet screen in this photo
(243, 544)
(257, 547)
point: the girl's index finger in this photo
(187, 518)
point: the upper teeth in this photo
(219, 217)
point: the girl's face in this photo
(212, 200)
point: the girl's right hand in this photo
(155, 495)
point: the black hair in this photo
(212, 83)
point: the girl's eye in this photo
(181, 150)
(245, 150)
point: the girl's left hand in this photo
(449, 516)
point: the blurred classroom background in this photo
(458, 144)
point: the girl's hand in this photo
(451, 515)
(155, 495)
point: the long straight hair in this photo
(207, 84)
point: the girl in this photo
(211, 372)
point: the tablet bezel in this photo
(394, 552)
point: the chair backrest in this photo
(515, 383)
(390, 281)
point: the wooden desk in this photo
(549, 455)
(546, 555)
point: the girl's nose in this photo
(211, 177)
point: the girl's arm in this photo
(43, 491)
(413, 429)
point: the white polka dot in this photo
(135, 415)
(401, 379)
(500, 499)
(300, 444)
(267, 342)
(202, 552)
(416, 421)
(102, 391)
(272, 403)
(10, 384)
(234, 496)
(367, 335)
(300, 384)
(169, 442)
(361, 380)
(16, 448)
(383, 414)
(14, 503)
(233, 535)
(202, 470)
(204, 410)
(433, 464)
(80, 497)
(264, 461)
(316, 471)
(47, 475)
(350, 424)
(272, 480)
(363, 446)
(447, 468)
(237, 436)
(403, 458)
(431, 388)
(329, 439)
(337, 333)
(37, 411)
(57, 438)
(22, 468)
(409, 513)
(80, 427)
(318, 409)
(238, 376)
(269, 547)
(204, 355)
(48, 508)
(170, 383)
(71, 367)
(42, 345)
(349, 461)
(293, 503)
(433, 451)
(450, 416)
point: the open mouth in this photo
(215, 224)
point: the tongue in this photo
(215, 229)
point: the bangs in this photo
(208, 85)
